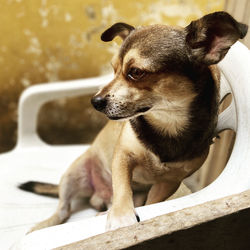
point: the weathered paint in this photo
(50, 40)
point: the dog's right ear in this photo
(117, 29)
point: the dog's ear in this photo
(210, 37)
(117, 29)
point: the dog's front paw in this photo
(117, 219)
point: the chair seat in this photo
(20, 210)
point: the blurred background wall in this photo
(50, 40)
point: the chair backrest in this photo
(235, 69)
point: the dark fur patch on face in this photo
(164, 46)
(196, 137)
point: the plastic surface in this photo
(33, 159)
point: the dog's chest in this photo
(151, 170)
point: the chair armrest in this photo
(34, 97)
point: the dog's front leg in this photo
(161, 191)
(122, 212)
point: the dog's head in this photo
(156, 64)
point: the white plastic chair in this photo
(32, 159)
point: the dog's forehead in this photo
(159, 43)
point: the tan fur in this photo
(173, 119)
(115, 62)
(47, 189)
(133, 59)
(215, 74)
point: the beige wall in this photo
(50, 40)
(241, 11)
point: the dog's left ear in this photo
(117, 29)
(210, 37)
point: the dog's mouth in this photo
(137, 112)
(143, 110)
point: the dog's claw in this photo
(137, 218)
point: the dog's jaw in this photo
(140, 111)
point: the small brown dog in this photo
(165, 96)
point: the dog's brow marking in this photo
(139, 61)
(121, 92)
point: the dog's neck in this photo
(167, 147)
(184, 134)
(169, 122)
(155, 138)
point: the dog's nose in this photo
(99, 102)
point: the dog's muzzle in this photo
(99, 102)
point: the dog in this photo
(163, 110)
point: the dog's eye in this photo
(135, 74)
